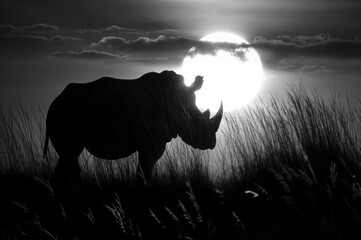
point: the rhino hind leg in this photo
(67, 172)
(67, 167)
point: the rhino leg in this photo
(68, 167)
(67, 172)
(147, 159)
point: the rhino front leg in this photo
(147, 159)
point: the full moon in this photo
(229, 78)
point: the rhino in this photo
(114, 118)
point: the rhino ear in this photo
(197, 84)
(170, 78)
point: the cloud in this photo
(97, 55)
(31, 45)
(166, 46)
(149, 59)
(315, 69)
(288, 67)
(308, 46)
(87, 54)
(57, 38)
(40, 27)
(40, 31)
(40, 38)
(115, 30)
(305, 40)
(65, 39)
(305, 68)
(144, 43)
(145, 47)
(211, 48)
(314, 54)
(6, 28)
(35, 38)
(111, 29)
(15, 38)
(163, 44)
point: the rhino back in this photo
(121, 112)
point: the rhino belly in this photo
(109, 144)
(109, 150)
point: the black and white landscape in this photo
(118, 92)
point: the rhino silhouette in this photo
(113, 118)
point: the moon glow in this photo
(228, 78)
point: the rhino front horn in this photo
(216, 120)
(206, 114)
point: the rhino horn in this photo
(216, 120)
(206, 114)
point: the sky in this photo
(46, 44)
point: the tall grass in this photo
(21, 135)
(293, 130)
(288, 168)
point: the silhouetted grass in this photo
(285, 169)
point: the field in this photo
(284, 169)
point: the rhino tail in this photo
(46, 143)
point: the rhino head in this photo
(194, 127)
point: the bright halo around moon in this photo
(229, 78)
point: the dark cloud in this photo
(315, 69)
(162, 44)
(40, 27)
(34, 45)
(40, 38)
(150, 45)
(211, 48)
(117, 30)
(97, 55)
(166, 46)
(170, 43)
(35, 38)
(319, 46)
(87, 54)
(21, 38)
(272, 51)
(65, 39)
(305, 68)
(113, 29)
(95, 35)
(152, 60)
(6, 28)
(36, 29)
(41, 32)
(288, 67)
(304, 40)
(24, 38)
